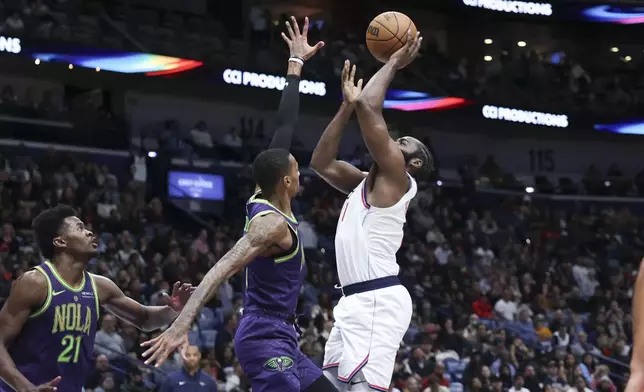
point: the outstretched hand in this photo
(350, 90)
(298, 41)
(164, 345)
(180, 295)
(405, 55)
(48, 387)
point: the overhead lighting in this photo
(70, 66)
(488, 41)
(487, 58)
(529, 189)
(98, 69)
(521, 44)
(614, 49)
(37, 62)
(628, 58)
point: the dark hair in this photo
(269, 167)
(47, 226)
(424, 154)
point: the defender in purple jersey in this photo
(48, 324)
(271, 251)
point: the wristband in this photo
(296, 60)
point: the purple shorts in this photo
(268, 352)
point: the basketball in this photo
(387, 33)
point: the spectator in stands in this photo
(517, 386)
(506, 307)
(232, 139)
(580, 386)
(107, 384)
(191, 377)
(225, 335)
(108, 341)
(14, 24)
(200, 135)
(102, 366)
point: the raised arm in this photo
(384, 150)
(28, 294)
(299, 52)
(342, 175)
(263, 232)
(146, 318)
(636, 380)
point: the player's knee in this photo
(331, 375)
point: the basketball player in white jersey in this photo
(375, 310)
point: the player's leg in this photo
(332, 375)
(267, 352)
(394, 311)
(333, 357)
(311, 377)
(355, 320)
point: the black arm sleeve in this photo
(287, 114)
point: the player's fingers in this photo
(155, 355)
(318, 46)
(410, 39)
(420, 42)
(417, 39)
(360, 83)
(352, 76)
(285, 38)
(289, 28)
(185, 286)
(163, 355)
(150, 342)
(296, 27)
(305, 30)
(345, 70)
(176, 286)
(165, 299)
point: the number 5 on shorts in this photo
(71, 348)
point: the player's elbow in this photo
(318, 163)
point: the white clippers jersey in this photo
(367, 237)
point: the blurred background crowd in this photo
(516, 286)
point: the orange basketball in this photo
(387, 33)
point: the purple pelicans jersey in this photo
(266, 339)
(58, 339)
(274, 283)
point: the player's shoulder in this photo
(33, 279)
(269, 221)
(32, 286)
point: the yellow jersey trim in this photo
(254, 199)
(62, 281)
(44, 306)
(96, 299)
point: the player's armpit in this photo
(28, 294)
(146, 318)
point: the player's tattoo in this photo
(263, 232)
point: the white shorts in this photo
(367, 333)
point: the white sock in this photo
(332, 375)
